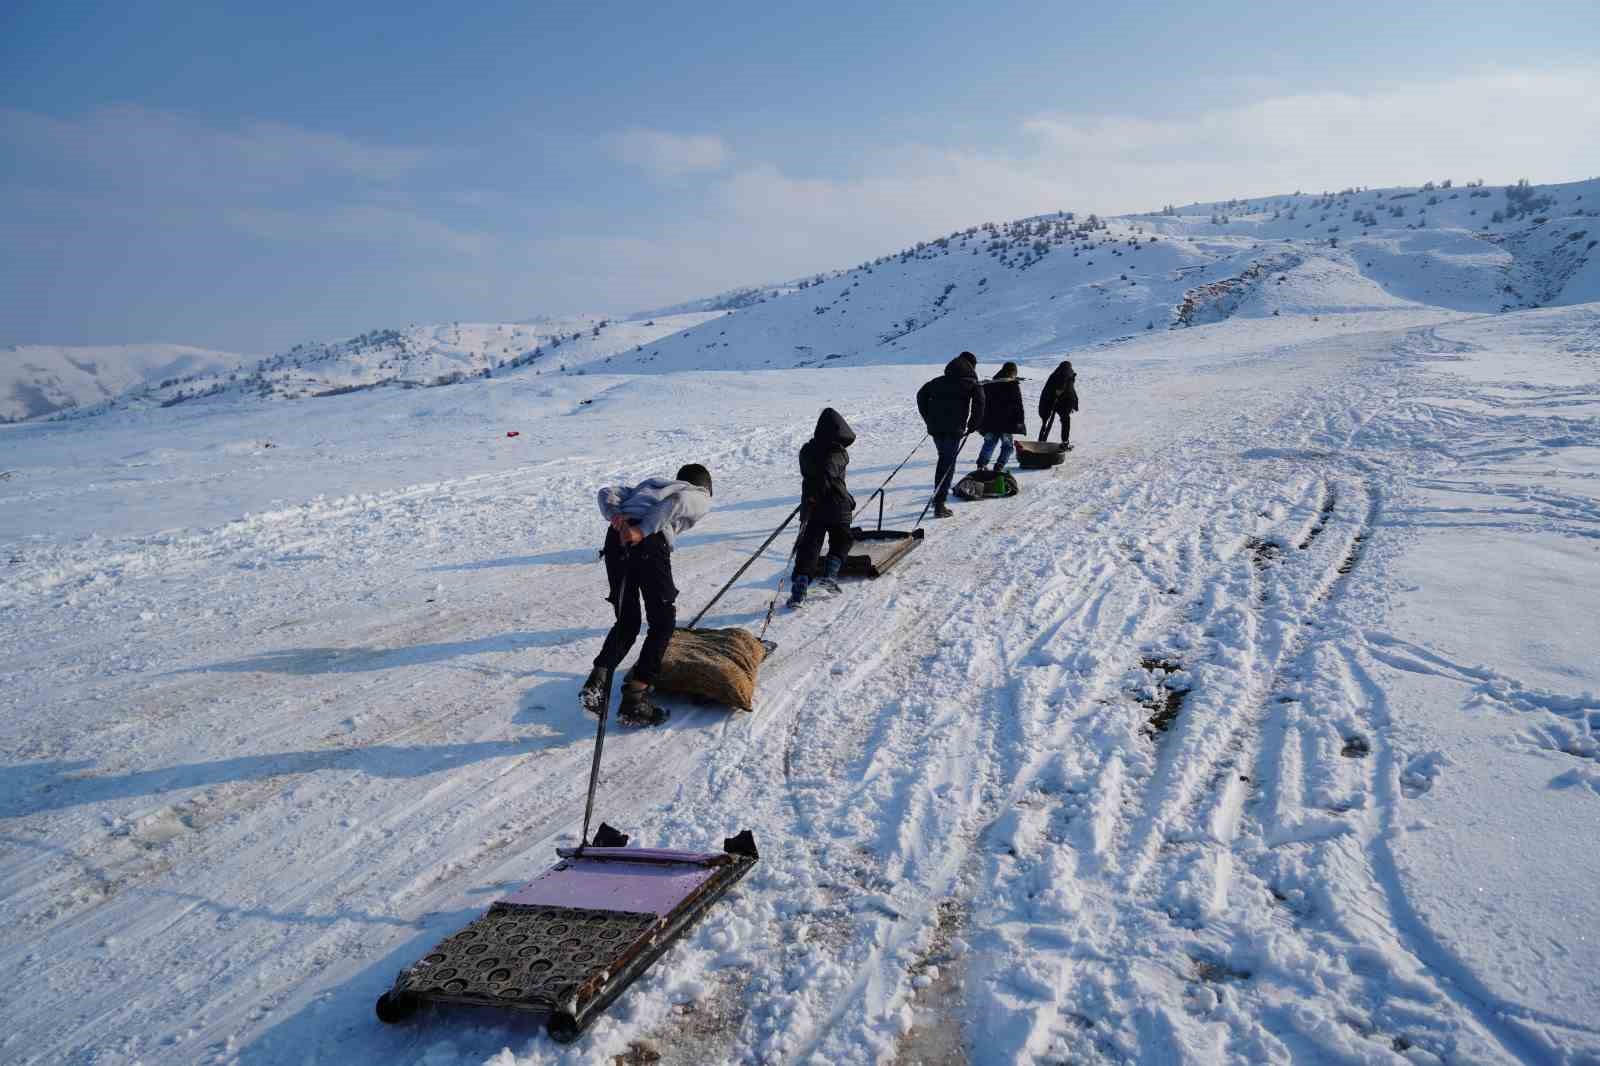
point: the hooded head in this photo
(1066, 368)
(1007, 373)
(695, 474)
(833, 429)
(964, 365)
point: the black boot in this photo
(595, 691)
(829, 581)
(636, 708)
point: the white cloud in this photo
(1543, 126)
(1500, 126)
(671, 155)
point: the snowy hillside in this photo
(1037, 285)
(39, 379)
(1026, 288)
(1266, 729)
(414, 357)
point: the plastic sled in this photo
(874, 552)
(576, 937)
(1039, 454)
(986, 485)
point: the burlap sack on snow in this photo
(715, 664)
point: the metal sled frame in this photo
(874, 552)
(576, 937)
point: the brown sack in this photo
(714, 664)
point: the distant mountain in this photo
(414, 357)
(1041, 286)
(1031, 288)
(40, 379)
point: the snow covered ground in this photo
(1263, 730)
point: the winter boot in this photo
(595, 691)
(636, 708)
(797, 592)
(829, 582)
(941, 511)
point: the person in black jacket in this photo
(951, 405)
(826, 505)
(1060, 398)
(1002, 416)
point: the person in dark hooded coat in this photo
(826, 505)
(1060, 398)
(1003, 416)
(951, 406)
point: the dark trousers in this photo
(808, 551)
(642, 572)
(1066, 424)
(944, 472)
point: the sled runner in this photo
(986, 485)
(575, 938)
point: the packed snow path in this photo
(1263, 730)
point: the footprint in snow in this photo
(1421, 772)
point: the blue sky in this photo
(249, 176)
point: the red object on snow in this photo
(512, 433)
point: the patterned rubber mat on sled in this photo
(532, 955)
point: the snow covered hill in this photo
(39, 379)
(1265, 729)
(1017, 290)
(414, 357)
(1037, 285)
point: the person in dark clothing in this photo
(1060, 398)
(1002, 416)
(826, 505)
(951, 406)
(645, 521)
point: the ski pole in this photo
(626, 590)
(738, 573)
(772, 604)
(594, 767)
(945, 482)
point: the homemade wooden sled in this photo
(874, 552)
(574, 939)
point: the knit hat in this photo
(695, 474)
(1008, 372)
